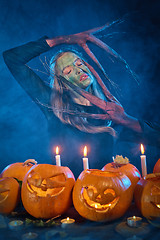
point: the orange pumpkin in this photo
(127, 168)
(9, 195)
(147, 196)
(46, 190)
(18, 170)
(102, 196)
(156, 168)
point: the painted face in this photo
(72, 68)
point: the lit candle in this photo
(15, 225)
(58, 159)
(67, 222)
(85, 159)
(134, 221)
(143, 162)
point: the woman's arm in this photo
(16, 59)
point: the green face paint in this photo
(72, 68)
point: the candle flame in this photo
(142, 149)
(57, 150)
(67, 218)
(134, 217)
(85, 151)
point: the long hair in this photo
(65, 108)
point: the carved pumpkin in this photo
(147, 196)
(46, 190)
(9, 195)
(156, 168)
(18, 170)
(122, 165)
(102, 196)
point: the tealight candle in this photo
(134, 221)
(15, 225)
(58, 159)
(67, 222)
(143, 162)
(85, 159)
(30, 235)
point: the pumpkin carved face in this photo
(9, 195)
(100, 195)
(155, 193)
(42, 187)
(46, 190)
(147, 196)
(99, 200)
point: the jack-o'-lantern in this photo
(46, 190)
(102, 196)
(156, 168)
(18, 170)
(9, 195)
(147, 196)
(122, 165)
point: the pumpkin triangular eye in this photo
(58, 177)
(110, 191)
(155, 190)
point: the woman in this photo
(77, 109)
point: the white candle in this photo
(143, 162)
(85, 159)
(57, 157)
(67, 222)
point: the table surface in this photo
(82, 229)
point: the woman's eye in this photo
(78, 63)
(67, 71)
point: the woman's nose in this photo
(78, 70)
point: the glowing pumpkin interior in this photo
(51, 186)
(4, 193)
(101, 200)
(155, 190)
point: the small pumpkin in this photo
(102, 196)
(156, 168)
(147, 196)
(18, 170)
(46, 190)
(9, 195)
(122, 165)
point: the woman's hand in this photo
(116, 113)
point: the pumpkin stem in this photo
(29, 162)
(119, 160)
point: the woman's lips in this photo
(83, 77)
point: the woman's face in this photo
(72, 68)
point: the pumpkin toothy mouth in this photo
(3, 195)
(43, 193)
(96, 205)
(157, 205)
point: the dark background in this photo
(23, 128)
